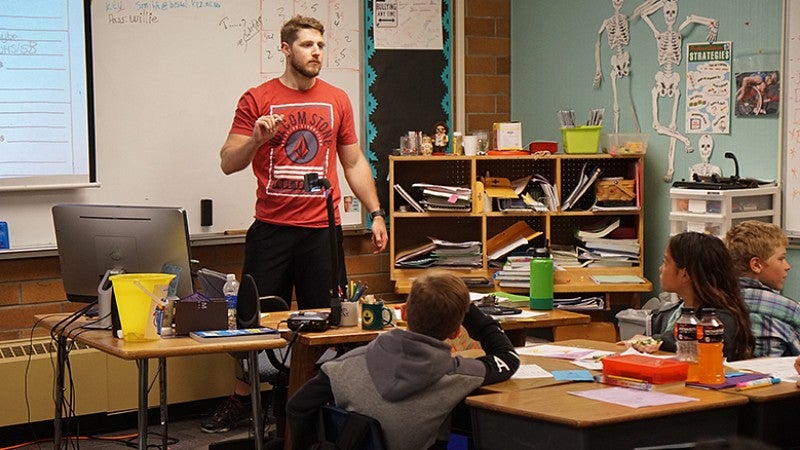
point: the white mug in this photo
(349, 314)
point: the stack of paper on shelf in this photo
(457, 254)
(598, 229)
(417, 256)
(516, 272)
(580, 303)
(515, 236)
(445, 198)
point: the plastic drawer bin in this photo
(647, 368)
(632, 322)
(625, 143)
(581, 140)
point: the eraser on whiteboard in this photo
(4, 245)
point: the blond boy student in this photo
(758, 250)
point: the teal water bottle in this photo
(541, 294)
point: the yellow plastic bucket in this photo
(138, 295)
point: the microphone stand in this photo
(311, 181)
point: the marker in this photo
(623, 382)
(761, 382)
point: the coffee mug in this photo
(349, 314)
(375, 316)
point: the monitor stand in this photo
(105, 295)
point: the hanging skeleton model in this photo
(667, 81)
(618, 35)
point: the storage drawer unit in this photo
(716, 211)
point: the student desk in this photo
(771, 414)
(516, 416)
(308, 347)
(141, 352)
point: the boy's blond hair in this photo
(753, 239)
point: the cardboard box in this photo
(507, 135)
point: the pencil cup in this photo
(349, 314)
(375, 316)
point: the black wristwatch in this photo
(377, 213)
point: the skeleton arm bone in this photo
(712, 24)
(598, 71)
(647, 8)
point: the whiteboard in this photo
(791, 119)
(167, 77)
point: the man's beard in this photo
(308, 73)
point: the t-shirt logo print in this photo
(302, 146)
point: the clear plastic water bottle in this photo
(710, 336)
(231, 292)
(685, 332)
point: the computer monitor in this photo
(97, 240)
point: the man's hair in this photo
(753, 239)
(437, 304)
(292, 26)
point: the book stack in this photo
(445, 198)
(605, 243)
(441, 253)
(516, 273)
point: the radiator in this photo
(101, 383)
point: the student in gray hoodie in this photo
(408, 379)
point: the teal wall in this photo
(552, 67)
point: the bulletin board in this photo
(167, 77)
(406, 89)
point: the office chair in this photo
(349, 430)
(271, 366)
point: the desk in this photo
(141, 352)
(771, 414)
(309, 347)
(549, 417)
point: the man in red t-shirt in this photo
(285, 128)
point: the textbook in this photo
(243, 334)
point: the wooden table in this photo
(141, 352)
(771, 414)
(517, 416)
(308, 347)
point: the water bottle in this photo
(231, 292)
(710, 336)
(541, 293)
(685, 332)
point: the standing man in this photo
(288, 127)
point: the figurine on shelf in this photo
(440, 139)
(426, 148)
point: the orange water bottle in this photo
(685, 332)
(710, 336)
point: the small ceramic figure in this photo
(440, 139)
(427, 146)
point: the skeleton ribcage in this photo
(617, 30)
(669, 48)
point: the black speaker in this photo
(335, 317)
(248, 309)
(206, 212)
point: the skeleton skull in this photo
(706, 143)
(670, 12)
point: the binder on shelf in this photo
(586, 180)
(408, 198)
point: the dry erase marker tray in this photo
(645, 368)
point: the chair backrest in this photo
(350, 430)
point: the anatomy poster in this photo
(708, 88)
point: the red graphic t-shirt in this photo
(315, 123)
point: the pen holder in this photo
(349, 314)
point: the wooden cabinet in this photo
(409, 228)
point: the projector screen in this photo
(46, 114)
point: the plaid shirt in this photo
(774, 318)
